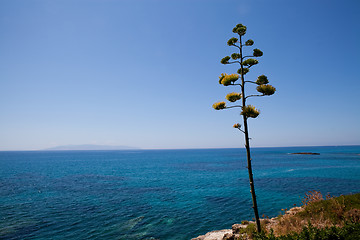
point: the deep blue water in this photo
(159, 194)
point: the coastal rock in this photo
(225, 234)
(235, 231)
(228, 236)
(236, 228)
(294, 210)
(214, 235)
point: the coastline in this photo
(235, 231)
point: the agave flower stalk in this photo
(248, 111)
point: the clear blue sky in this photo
(144, 73)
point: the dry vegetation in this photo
(316, 213)
(320, 213)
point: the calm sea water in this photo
(159, 194)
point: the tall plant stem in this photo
(247, 146)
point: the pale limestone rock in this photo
(236, 228)
(214, 235)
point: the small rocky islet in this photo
(305, 153)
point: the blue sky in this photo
(144, 73)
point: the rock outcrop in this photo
(214, 235)
(236, 230)
(225, 234)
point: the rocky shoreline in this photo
(305, 153)
(235, 231)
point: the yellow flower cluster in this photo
(233, 97)
(236, 125)
(226, 79)
(219, 105)
(250, 111)
(266, 89)
(262, 80)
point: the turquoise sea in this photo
(159, 194)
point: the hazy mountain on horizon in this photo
(89, 147)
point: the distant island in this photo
(89, 147)
(306, 153)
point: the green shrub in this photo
(250, 230)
